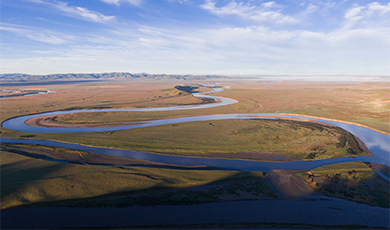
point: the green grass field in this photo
(246, 139)
(355, 181)
(342, 167)
(27, 181)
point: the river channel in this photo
(344, 212)
(26, 94)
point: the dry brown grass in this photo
(362, 103)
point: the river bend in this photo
(377, 143)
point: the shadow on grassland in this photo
(16, 178)
(239, 186)
(359, 183)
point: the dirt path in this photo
(289, 184)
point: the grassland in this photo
(353, 180)
(29, 181)
(365, 103)
(83, 157)
(245, 139)
(26, 180)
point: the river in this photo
(23, 94)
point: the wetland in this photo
(259, 147)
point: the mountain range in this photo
(17, 77)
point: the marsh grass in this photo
(353, 180)
(26, 180)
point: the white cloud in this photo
(179, 1)
(84, 13)
(373, 14)
(118, 2)
(375, 6)
(47, 38)
(262, 13)
(37, 34)
(76, 12)
(270, 4)
(115, 2)
(310, 9)
(330, 4)
(353, 12)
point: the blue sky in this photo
(195, 36)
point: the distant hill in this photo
(16, 77)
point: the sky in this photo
(224, 37)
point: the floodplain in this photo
(87, 181)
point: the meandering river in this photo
(376, 142)
(328, 211)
